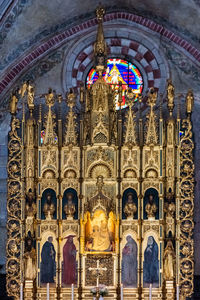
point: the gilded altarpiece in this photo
(98, 200)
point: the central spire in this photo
(100, 47)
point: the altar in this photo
(100, 198)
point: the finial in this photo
(81, 93)
(161, 103)
(189, 102)
(50, 99)
(179, 107)
(170, 96)
(40, 112)
(100, 47)
(152, 97)
(71, 98)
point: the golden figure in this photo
(30, 261)
(13, 104)
(130, 208)
(170, 96)
(30, 212)
(23, 89)
(169, 210)
(100, 232)
(30, 96)
(69, 208)
(169, 256)
(151, 208)
(189, 102)
(49, 208)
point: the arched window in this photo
(119, 70)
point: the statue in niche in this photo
(49, 208)
(129, 262)
(48, 263)
(130, 208)
(169, 257)
(169, 210)
(69, 208)
(30, 212)
(151, 262)
(30, 260)
(69, 261)
(151, 208)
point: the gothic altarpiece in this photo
(99, 199)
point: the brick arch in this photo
(120, 47)
(33, 55)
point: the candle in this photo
(121, 291)
(72, 291)
(150, 291)
(47, 291)
(177, 292)
(21, 291)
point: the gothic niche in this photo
(129, 204)
(70, 204)
(49, 205)
(99, 222)
(151, 204)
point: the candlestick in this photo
(150, 291)
(72, 291)
(177, 292)
(48, 291)
(21, 291)
(121, 291)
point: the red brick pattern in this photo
(13, 72)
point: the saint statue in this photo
(30, 212)
(13, 104)
(130, 208)
(151, 262)
(49, 208)
(30, 260)
(129, 262)
(169, 210)
(69, 208)
(48, 263)
(69, 261)
(151, 208)
(169, 256)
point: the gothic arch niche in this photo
(70, 194)
(153, 194)
(129, 204)
(49, 194)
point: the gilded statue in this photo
(151, 208)
(30, 212)
(69, 208)
(169, 210)
(49, 208)
(30, 260)
(130, 208)
(170, 95)
(13, 103)
(30, 96)
(169, 257)
(189, 101)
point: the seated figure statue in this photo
(69, 208)
(130, 208)
(49, 208)
(151, 208)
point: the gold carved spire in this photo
(151, 133)
(189, 102)
(50, 135)
(130, 134)
(170, 96)
(100, 47)
(71, 135)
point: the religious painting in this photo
(70, 204)
(69, 260)
(48, 261)
(49, 205)
(151, 204)
(129, 263)
(129, 204)
(151, 263)
(99, 231)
